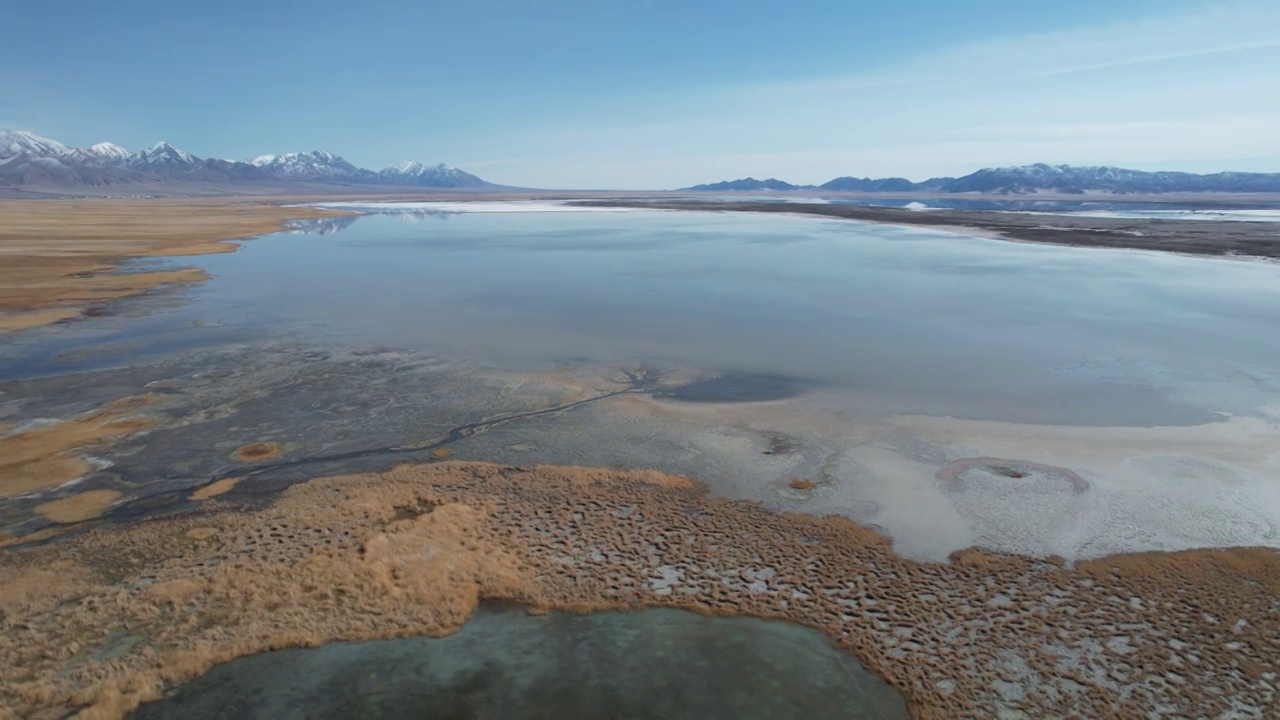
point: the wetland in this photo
(923, 441)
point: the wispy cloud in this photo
(1187, 89)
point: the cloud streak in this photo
(1184, 90)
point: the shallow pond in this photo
(505, 663)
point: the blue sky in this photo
(659, 94)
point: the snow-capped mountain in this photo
(163, 157)
(314, 166)
(103, 153)
(415, 173)
(29, 159)
(18, 142)
(108, 150)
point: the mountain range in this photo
(28, 159)
(1028, 179)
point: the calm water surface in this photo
(660, 664)
(879, 318)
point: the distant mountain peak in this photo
(747, 184)
(312, 165)
(323, 156)
(17, 142)
(108, 150)
(411, 172)
(164, 154)
(29, 159)
(413, 166)
(1035, 178)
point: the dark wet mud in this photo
(736, 387)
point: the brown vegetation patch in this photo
(254, 452)
(441, 453)
(802, 484)
(40, 458)
(57, 256)
(10, 321)
(414, 550)
(44, 534)
(79, 507)
(215, 489)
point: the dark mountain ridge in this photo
(1037, 178)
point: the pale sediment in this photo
(414, 550)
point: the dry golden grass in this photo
(415, 550)
(79, 507)
(10, 321)
(37, 536)
(215, 489)
(801, 484)
(56, 256)
(41, 458)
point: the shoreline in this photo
(1213, 238)
(61, 257)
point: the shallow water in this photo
(505, 663)
(872, 318)
(899, 319)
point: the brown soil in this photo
(57, 256)
(414, 550)
(441, 453)
(41, 458)
(254, 452)
(79, 507)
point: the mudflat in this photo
(58, 257)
